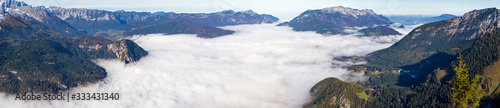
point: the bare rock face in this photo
(93, 20)
(102, 48)
(476, 21)
(126, 50)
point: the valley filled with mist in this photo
(261, 65)
(332, 54)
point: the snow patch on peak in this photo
(250, 12)
(348, 11)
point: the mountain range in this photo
(115, 24)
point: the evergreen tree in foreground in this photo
(466, 92)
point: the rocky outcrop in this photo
(102, 48)
(126, 50)
(333, 20)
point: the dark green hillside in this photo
(43, 65)
(450, 36)
(417, 70)
(19, 28)
(484, 52)
(202, 31)
(379, 31)
(334, 93)
(482, 59)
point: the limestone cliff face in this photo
(93, 20)
(126, 50)
(102, 48)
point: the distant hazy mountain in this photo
(334, 20)
(22, 21)
(378, 31)
(223, 18)
(418, 19)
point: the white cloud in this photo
(258, 66)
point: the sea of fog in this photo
(260, 66)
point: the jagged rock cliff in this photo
(94, 21)
(102, 48)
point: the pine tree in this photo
(466, 92)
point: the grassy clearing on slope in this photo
(492, 74)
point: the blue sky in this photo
(284, 9)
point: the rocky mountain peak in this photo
(333, 20)
(249, 12)
(13, 3)
(475, 13)
(23, 10)
(348, 11)
(480, 20)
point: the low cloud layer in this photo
(259, 66)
